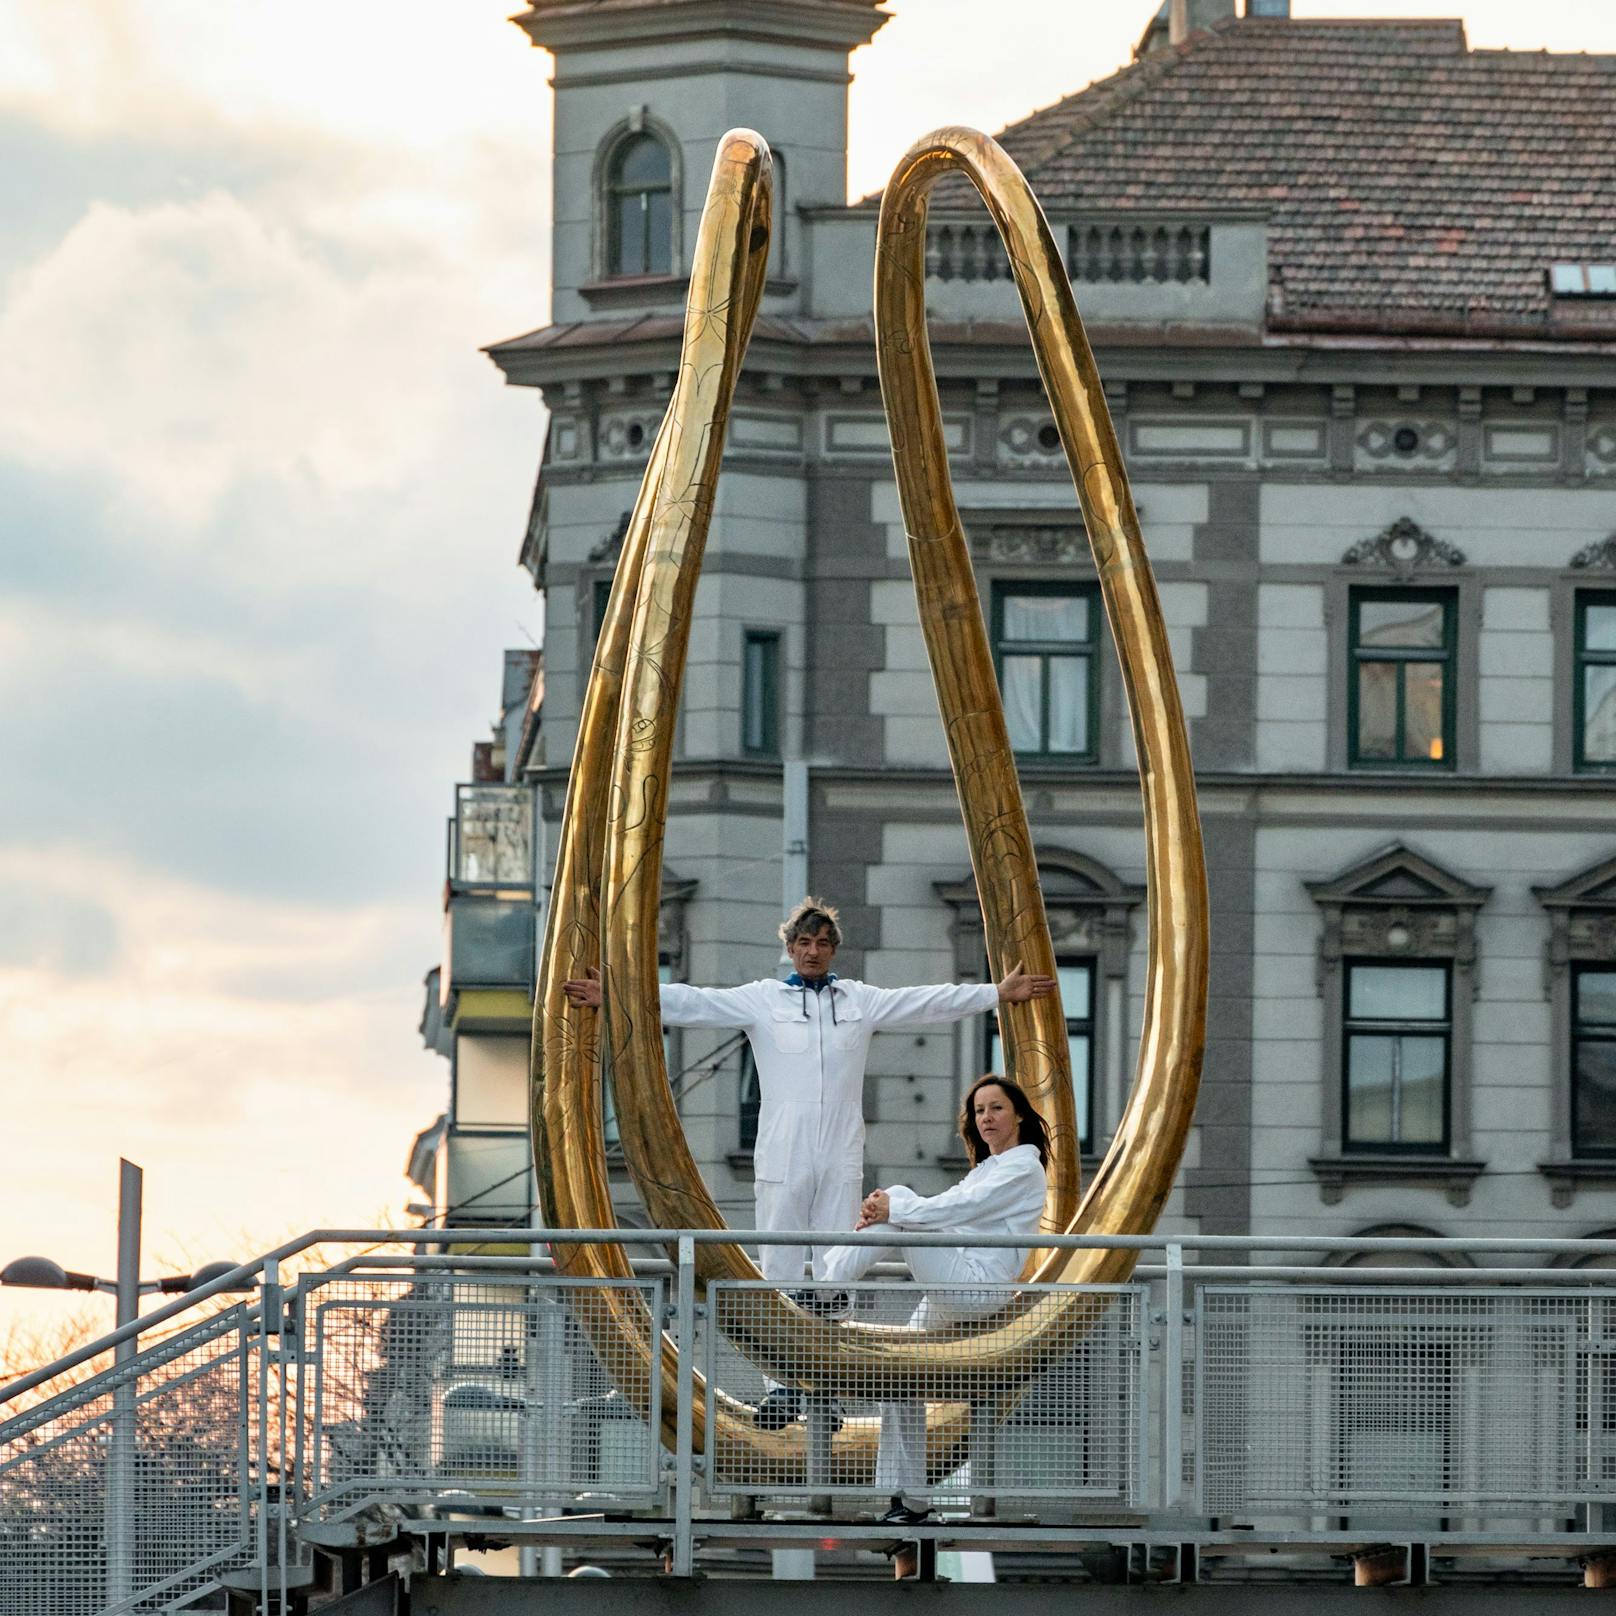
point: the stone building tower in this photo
(643, 91)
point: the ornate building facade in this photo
(1352, 287)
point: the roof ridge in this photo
(1113, 97)
(1139, 71)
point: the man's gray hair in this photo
(810, 916)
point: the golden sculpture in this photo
(609, 859)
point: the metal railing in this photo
(132, 1491)
(435, 1389)
(1075, 1429)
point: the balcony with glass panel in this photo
(490, 919)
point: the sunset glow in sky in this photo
(260, 504)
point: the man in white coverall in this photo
(810, 1038)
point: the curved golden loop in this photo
(617, 799)
(1134, 1180)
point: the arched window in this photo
(639, 204)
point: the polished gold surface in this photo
(1137, 1173)
(609, 862)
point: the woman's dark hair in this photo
(1033, 1131)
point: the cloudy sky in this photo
(260, 501)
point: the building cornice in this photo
(559, 25)
(973, 350)
(1243, 787)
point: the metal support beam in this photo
(120, 1497)
(685, 1435)
(1173, 1376)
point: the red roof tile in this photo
(1412, 184)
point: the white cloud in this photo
(35, 634)
(251, 1110)
(184, 347)
(404, 72)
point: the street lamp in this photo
(40, 1273)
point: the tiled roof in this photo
(1411, 183)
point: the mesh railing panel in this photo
(1330, 1400)
(186, 1509)
(459, 1389)
(1059, 1414)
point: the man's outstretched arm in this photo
(953, 1001)
(682, 1005)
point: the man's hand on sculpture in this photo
(877, 1208)
(586, 989)
(1017, 986)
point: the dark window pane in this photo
(760, 655)
(1046, 617)
(1422, 711)
(1023, 702)
(1398, 993)
(751, 1098)
(630, 256)
(1595, 1089)
(1421, 1069)
(1596, 997)
(1068, 704)
(1411, 624)
(1377, 710)
(643, 163)
(1395, 1089)
(1075, 979)
(602, 594)
(1370, 1081)
(1599, 628)
(659, 229)
(1599, 713)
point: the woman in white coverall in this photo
(1002, 1194)
(810, 1038)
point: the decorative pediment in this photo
(1399, 875)
(1398, 904)
(1582, 917)
(1594, 888)
(1045, 537)
(1404, 549)
(1597, 557)
(1087, 904)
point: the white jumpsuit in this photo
(810, 1049)
(1002, 1195)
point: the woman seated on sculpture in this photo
(1002, 1194)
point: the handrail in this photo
(1198, 1243)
